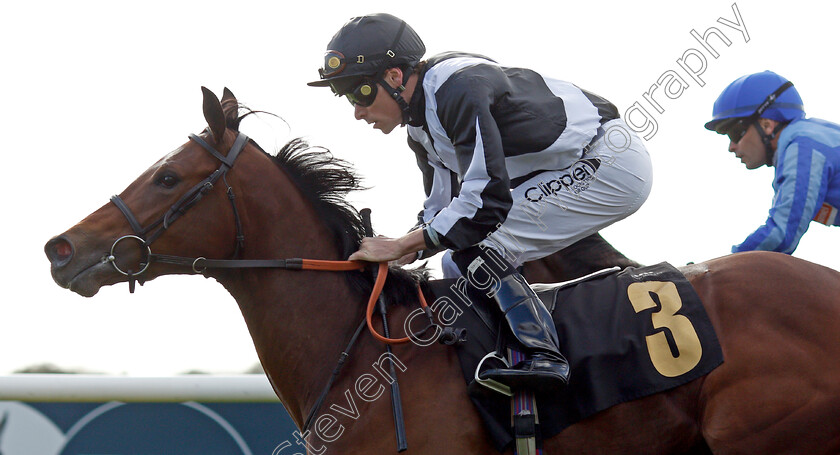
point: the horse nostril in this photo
(59, 251)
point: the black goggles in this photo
(361, 92)
(737, 131)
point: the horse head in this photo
(160, 210)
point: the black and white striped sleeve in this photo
(464, 110)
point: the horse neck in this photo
(299, 320)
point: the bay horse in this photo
(588, 255)
(777, 317)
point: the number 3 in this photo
(685, 337)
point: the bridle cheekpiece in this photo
(148, 234)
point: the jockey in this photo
(516, 166)
(764, 117)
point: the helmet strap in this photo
(767, 139)
(396, 94)
(771, 98)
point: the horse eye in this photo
(167, 180)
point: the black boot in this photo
(545, 368)
(531, 324)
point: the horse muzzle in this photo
(83, 270)
(59, 251)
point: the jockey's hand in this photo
(405, 260)
(378, 249)
(385, 249)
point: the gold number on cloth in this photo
(685, 337)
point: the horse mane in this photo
(325, 181)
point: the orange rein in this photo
(332, 266)
(381, 276)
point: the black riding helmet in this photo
(365, 47)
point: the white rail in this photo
(100, 388)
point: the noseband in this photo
(146, 235)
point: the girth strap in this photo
(524, 416)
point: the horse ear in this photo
(214, 114)
(230, 105)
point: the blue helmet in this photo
(765, 95)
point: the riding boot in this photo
(530, 323)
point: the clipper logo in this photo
(576, 181)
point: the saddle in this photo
(626, 334)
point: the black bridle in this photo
(146, 235)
